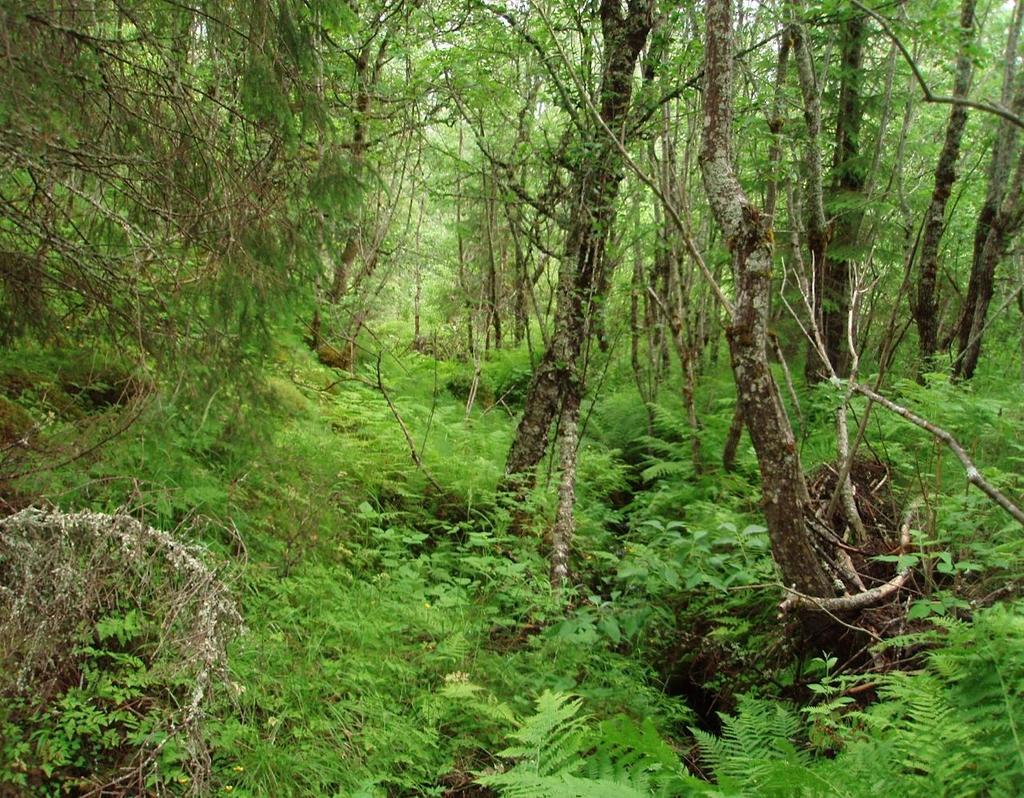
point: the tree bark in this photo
(595, 184)
(749, 240)
(926, 308)
(367, 76)
(831, 296)
(564, 527)
(996, 223)
(817, 225)
(1001, 230)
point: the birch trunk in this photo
(749, 240)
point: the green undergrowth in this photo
(399, 640)
(395, 633)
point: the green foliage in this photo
(558, 754)
(181, 184)
(953, 729)
(756, 754)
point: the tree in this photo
(832, 272)
(158, 171)
(557, 384)
(749, 238)
(1000, 216)
(926, 307)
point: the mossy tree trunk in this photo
(582, 277)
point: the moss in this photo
(287, 396)
(333, 357)
(40, 391)
(15, 423)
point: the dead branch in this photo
(974, 476)
(857, 601)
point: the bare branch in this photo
(929, 95)
(857, 601)
(973, 474)
(417, 460)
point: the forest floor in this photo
(396, 639)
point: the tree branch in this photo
(973, 475)
(929, 95)
(857, 601)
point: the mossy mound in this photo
(15, 422)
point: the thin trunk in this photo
(1003, 228)
(996, 223)
(776, 123)
(817, 227)
(460, 243)
(732, 439)
(926, 308)
(564, 527)
(418, 343)
(366, 79)
(687, 352)
(490, 222)
(641, 379)
(831, 283)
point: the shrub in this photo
(112, 635)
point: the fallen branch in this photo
(973, 474)
(857, 601)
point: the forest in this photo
(511, 398)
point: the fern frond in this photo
(550, 740)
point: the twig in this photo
(405, 430)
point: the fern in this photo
(637, 758)
(756, 754)
(951, 730)
(560, 756)
(550, 741)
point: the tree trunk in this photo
(732, 439)
(926, 308)
(1001, 230)
(749, 239)
(817, 226)
(644, 381)
(367, 75)
(418, 342)
(564, 527)
(996, 225)
(596, 178)
(832, 295)
(493, 277)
